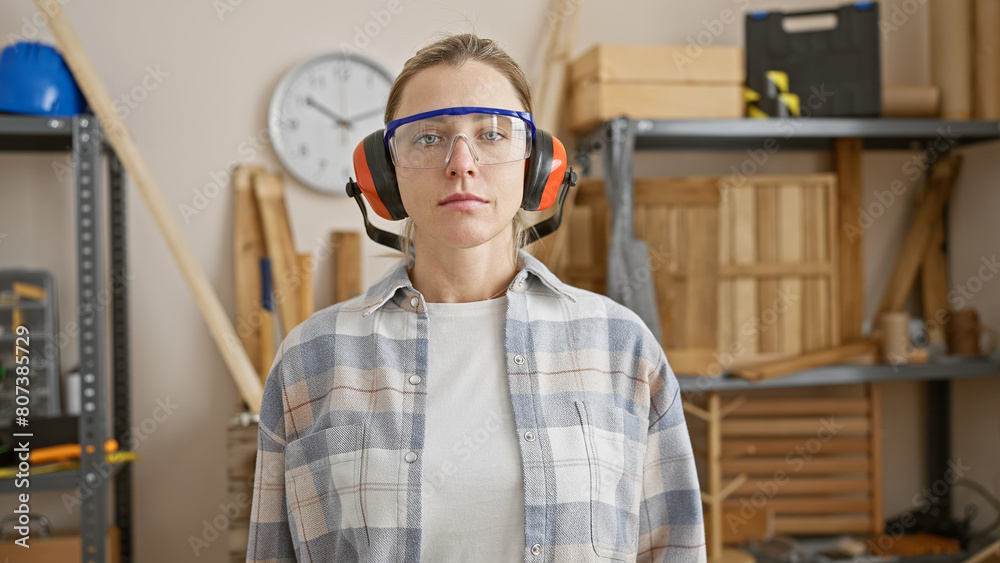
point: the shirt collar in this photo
(398, 278)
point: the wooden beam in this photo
(808, 360)
(847, 162)
(287, 280)
(918, 237)
(248, 249)
(346, 264)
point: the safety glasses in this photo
(428, 139)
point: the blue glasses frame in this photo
(390, 128)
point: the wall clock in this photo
(320, 110)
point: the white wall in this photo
(219, 74)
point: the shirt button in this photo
(519, 284)
(415, 301)
(414, 379)
(536, 549)
(410, 457)
(529, 436)
(519, 359)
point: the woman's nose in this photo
(461, 159)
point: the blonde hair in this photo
(455, 50)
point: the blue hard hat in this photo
(35, 80)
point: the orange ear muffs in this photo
(545, 172)
(377, 177)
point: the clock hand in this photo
(375, 111)
(324, 110)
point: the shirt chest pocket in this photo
(323, 485)
(615, 471)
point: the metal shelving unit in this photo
(620, 138)
(95, 204)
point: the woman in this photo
(470, 406)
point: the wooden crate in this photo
(743, 273)
(655, 82)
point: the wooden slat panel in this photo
(878, 511)
(811, 299)
(800, 465)
(811, 505)
(808, 486)
(825, 525)
(813, 406)
(346, 264)
(794, 426)
(782, 446)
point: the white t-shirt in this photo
(473, 485)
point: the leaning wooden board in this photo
(743, 272)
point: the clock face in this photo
(320, 111)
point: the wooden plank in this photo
(694, 190)
(702, 276)
(783, 446)
(812, 299)
(847, 162)
(809, 360)
(803, 405)
(795, 485)
(832, 282)
(776, 270)
(793, 426)
(740, 526)
(811, 505)
(248, 249)
(270, 193)
(307, 303)
(690, 361)
(790, 250)
(918, 236)
(878, 509)
(934, 285)
(745, 252)
(767, 266)
(813, 466)
(346, 264)
(724, 326)
(827, 525)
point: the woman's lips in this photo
(463, 204)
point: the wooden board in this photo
(270, 193)
(595, 102)
(659, 63)
(951, 55)
(346, 264)
(934, 285)
(847, 163)
(248, 249)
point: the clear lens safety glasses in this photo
(429, 139)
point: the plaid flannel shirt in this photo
(608, 468)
